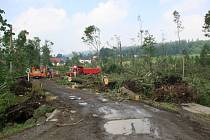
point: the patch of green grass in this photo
(8, 99)
(9, 130)
(12, 129)
(163, 105)
(61, 69)
(41, 111)
(63, 82)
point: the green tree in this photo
(92, 38)
(46, 53)
(33, 52)
(21, 53)
(106, 53)
(205, 55)
(74, 60)
(59, 55)
(206, 26)
(178, 23)
(4, 47)
(149, 48)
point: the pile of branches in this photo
(24, 108)
(21, 87)
(134, 86)
(137, 86)
(173, 89)
(95, 83)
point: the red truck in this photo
(80, 70)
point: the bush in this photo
(41, 111)
(138, 86)
(171, 88)
(204, 100)
(6, 100)
(203, 90)
(21, 87)
(113, 68)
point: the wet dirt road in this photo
(103, 119)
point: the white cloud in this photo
(165, 1)
(107, 16)
(46, 23)
(191, 19)
(41, 20)
(190, 5)
(66, 30)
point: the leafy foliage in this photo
(206, 26)
(92, 38)
(74, 60)
(17, 54)
(205, 55)
(113, 68)
(46, 53)
(149, 42)
(178, 22)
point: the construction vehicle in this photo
(39, 72)
(80, 70)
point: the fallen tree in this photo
(21, 112)
(173, 89)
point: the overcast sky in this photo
(63, 21)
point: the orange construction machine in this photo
(40, 72)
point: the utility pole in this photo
(11, 50)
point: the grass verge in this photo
(163, 105)
(11, 129)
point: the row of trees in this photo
(17, 54)
(149, 46)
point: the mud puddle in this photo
(74, 98)
(122, 112)
(83, 103)
(131, 126)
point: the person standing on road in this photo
(105, 82)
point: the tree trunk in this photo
(11, 50)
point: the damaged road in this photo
(87, 116)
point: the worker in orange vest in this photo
(105, 82)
